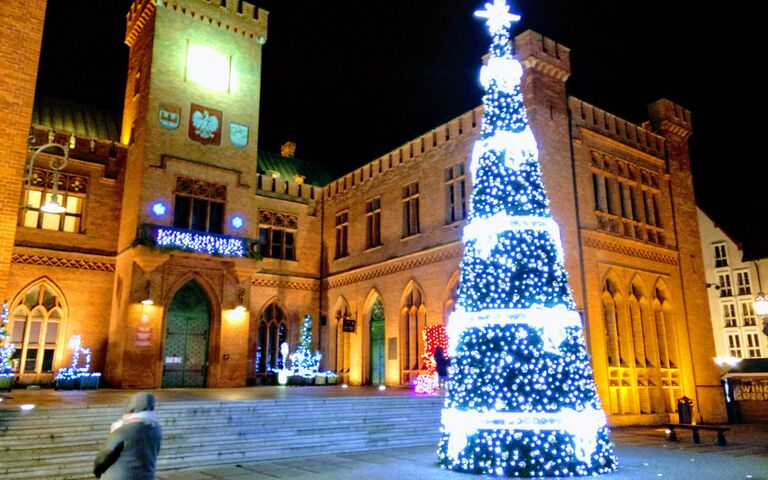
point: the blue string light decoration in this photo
(200, 242)
(522, 399)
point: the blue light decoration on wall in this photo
(522, 400)
(237, 222)
(159, 209)
(201, 242)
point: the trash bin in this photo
(685, 410)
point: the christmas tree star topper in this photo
(498, 16)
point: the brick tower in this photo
(20, 41)
(673, 122)
(191, 121)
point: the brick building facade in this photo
(378, 248)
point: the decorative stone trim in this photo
(289, 284)
(632, 251)
(62, 262)
(416, 261)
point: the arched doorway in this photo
(185, 350)
(377, 343)
(343, 343)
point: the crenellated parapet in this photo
(240, 18)
(269, 186)
(461, 126)
(111, 154)
(140, 13)
(667, 116)
(543, 54)
(592, 118)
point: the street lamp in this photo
(57, 164)
(760, 304)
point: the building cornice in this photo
(602, 241)
(389, 267)
(284, 282)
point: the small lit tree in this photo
(303, 361)
(6, 347)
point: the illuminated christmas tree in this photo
(522, 399)
(303, 361)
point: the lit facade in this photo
(732, 284)
(373, 256)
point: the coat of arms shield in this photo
(205, 124)
(169, 116)
(238, 134)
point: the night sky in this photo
(349, 81)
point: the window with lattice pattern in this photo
(199, 205)
(35, 326)
(72, 190)
(277, 235)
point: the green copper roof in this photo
(61, 115)
(289, 167)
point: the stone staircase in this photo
(60, 443)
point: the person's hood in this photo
(140, 402)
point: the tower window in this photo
(199, 205)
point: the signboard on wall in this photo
(143, 337)
(349, 325)
(751, 390)
(392, 348)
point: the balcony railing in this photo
(193, 241)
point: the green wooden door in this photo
(185, 351)
(377, 343)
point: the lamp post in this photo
(760, 304)
(56, 164)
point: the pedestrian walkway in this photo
(643, 454)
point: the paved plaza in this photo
(643, 455)
(643, 452)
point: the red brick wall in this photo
(21, 33)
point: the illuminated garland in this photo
(75, 372)
(6, 347)
(201, 242)
(522, 399)
(434, 336)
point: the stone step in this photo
(61, 443)
(50, 466)
(169, 420)
(50, 416)
(82, 470)
(22, 446)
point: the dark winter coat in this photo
(441, 363)
(131, 449)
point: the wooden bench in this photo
(719, 438)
